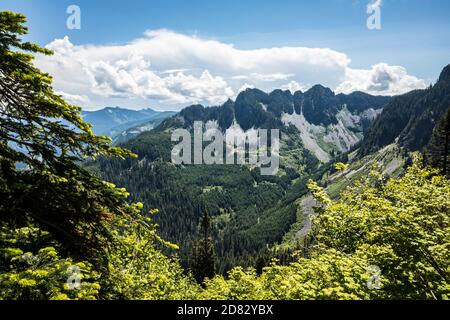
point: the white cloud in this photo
(294, 86)
(246, 86)
(190, 89)
(174, 71)
(264, 77)
(170, 69)
(381, 79)
(73, 98)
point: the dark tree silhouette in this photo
(204, 256)
(437, 154)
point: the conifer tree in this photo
(438, 152)
(204, 257)
(43, 141)
(56, 216)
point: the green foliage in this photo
(42, 141)
(53, 212)
(139, 269)
(400, 227)
(41, 274)
(328, 274)
(32, 267)
(341, 166)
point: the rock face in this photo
(327, 124)
(308, 134)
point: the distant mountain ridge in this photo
(327, 123)
(117, 121)
(319, 105)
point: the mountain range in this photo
(253, 214)
(327, 124)
(122, 124)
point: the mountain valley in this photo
(253, 214)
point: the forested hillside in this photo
(249, 212)
(381, 240)
(235, 196)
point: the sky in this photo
(168, 54)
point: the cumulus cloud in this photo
(73, 98)
(381, 79)
(169, 69)
(294, 86)
(123, 72)
(189, 89)
(246, 86)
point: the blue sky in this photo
(415, 34)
